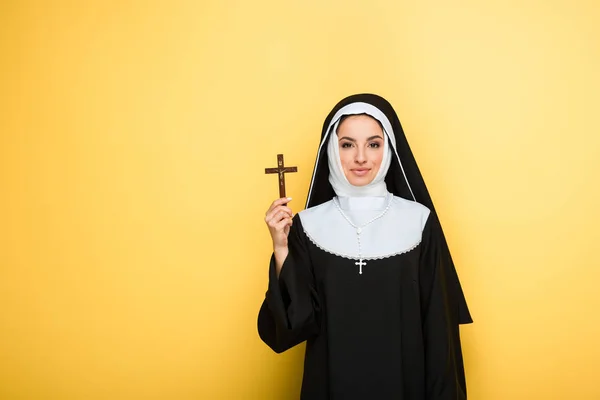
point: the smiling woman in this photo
(361, 141)
(363, 274)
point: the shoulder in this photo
(316, 212)
(409, 209)
(409, 205)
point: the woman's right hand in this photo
(279, 220)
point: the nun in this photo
(364, 274)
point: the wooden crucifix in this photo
(281, 170)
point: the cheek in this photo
(345, 159)
(378, 158)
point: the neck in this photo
(343, 188)
(354, 203)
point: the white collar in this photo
(398, 231)
(363, 203)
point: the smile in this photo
(361, 171)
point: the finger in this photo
(284, 209)
(287, 210)
(278, 210)
(277, 217)
(274, 218)
(283, 223)
(278, 202)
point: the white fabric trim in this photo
(363, 258)
(399, 231)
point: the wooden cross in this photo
(360, 264)
(281, 170)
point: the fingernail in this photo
(289, 198)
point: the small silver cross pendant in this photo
(360, 264)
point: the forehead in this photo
(359, 123)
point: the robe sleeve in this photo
(289, 313)
(443, 309)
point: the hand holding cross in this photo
(279, 215)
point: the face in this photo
(361, 142)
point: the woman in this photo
(364, 274)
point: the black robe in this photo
(391, 332)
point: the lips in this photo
(360, 171)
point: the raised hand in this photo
(279, 220)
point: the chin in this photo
(360, 182)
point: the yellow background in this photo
(133, 141)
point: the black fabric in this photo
(392, 332)
(385, 334)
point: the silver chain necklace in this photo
(359, 229)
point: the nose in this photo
(360, 157)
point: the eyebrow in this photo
(354, 140)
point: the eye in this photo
(346, 145)
(374, 145)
